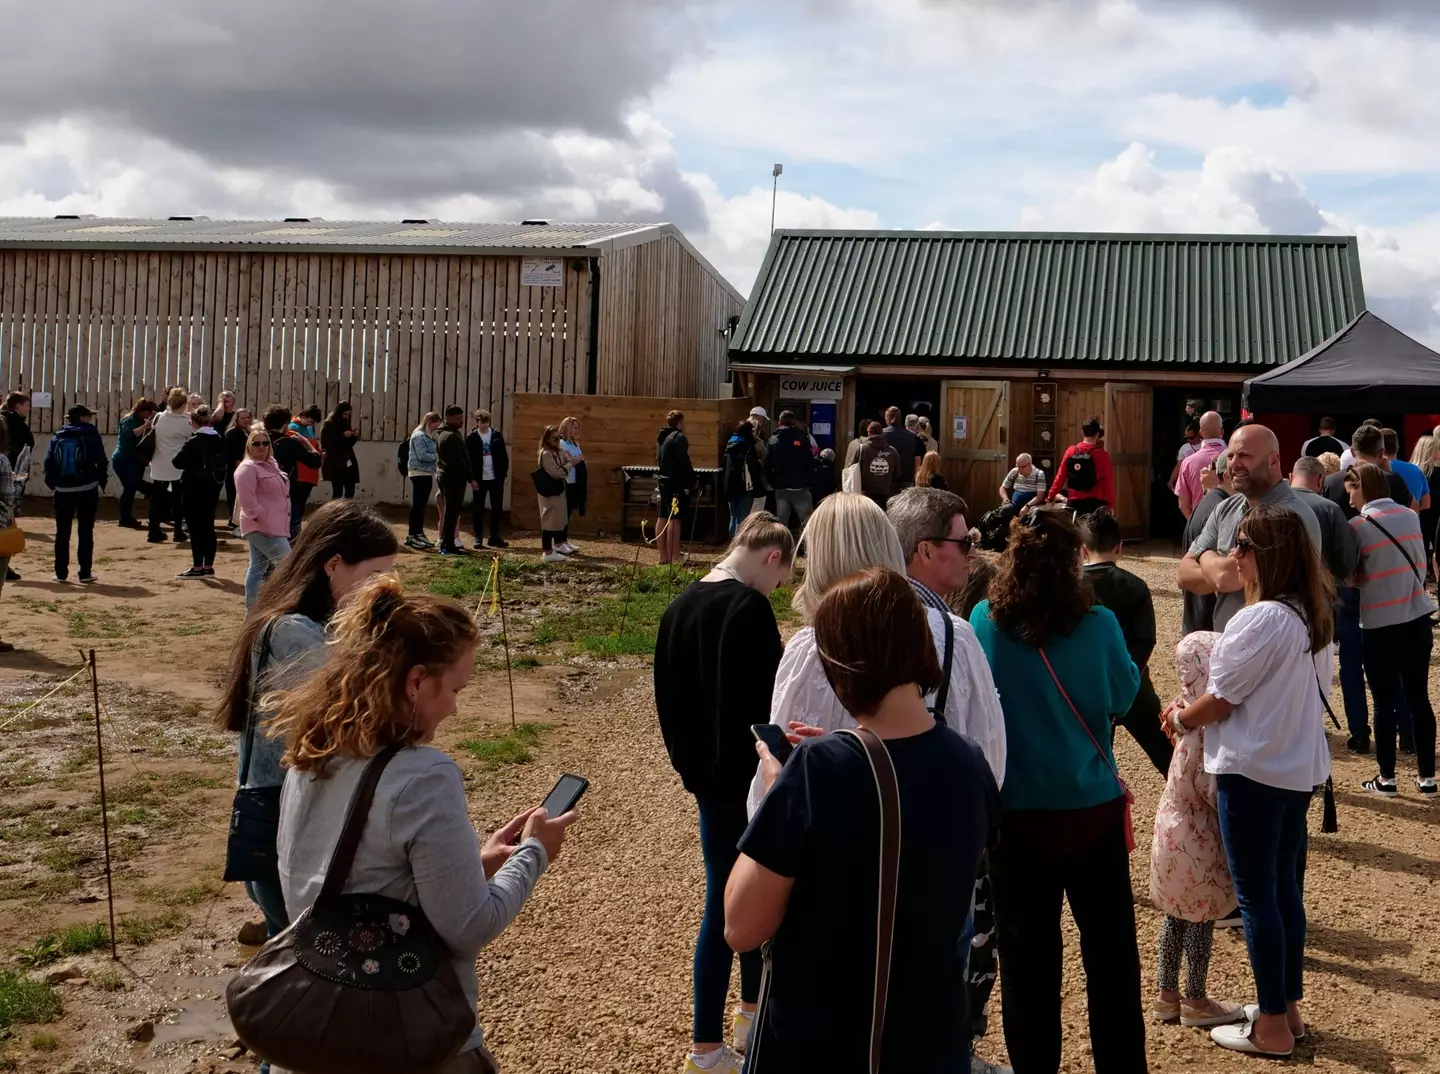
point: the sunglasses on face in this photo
(965, 544)
(1243, 546)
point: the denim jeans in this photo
(722, 823)
(1263, 829)
(271, 901)
(131, 476)
(739, 510)
(265, 555)
(1352, 668)
(797, 500)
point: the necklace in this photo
(722, 568)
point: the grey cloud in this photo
(1273, 12)
(388, 101)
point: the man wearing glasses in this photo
(936, 542)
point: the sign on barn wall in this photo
(812, 388)
(542, 271)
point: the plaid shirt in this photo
(7, 492)
(928, 596)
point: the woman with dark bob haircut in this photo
(808, 879)
(1065, 677)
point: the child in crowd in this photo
(1189, 878)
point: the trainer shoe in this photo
(1426, 786)
(416, 543)
(1380, 785)
(979, 1066)
(192, 572)
(157, 537)
(12, 576)
(498, 542)
(553, 557)
(1232, 920)
(1358, 744)
(566, 548)
(86, 579)
(721, 1061)
(1210, 1013)
(740, 1028)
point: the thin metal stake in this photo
(104, 809)
(505, 637)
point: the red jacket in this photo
(1104, 475)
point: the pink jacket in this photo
(263, 493)
(1189, 875)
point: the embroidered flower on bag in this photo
(399, 924)
(327, 944)
(370, 966)
(409, 962)
(366, 938)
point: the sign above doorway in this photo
(812, 388)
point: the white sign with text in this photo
(812, 388)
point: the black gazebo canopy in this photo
(1367, 366)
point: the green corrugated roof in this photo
(1026, 297)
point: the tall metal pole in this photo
(775, 174)
(505, 638)
(104, 809)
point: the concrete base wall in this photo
(379, 481)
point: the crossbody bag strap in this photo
(1403, 551)
(250, 699)
(888, 789)
(1084, 726)
(942, 695)
(338, 871)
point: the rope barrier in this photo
(47, 697)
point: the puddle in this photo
(196, 1012)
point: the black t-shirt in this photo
(716, 655)
(907, 446)
(1317, 446)
(820, 825)
(1336, 492)
(1129, 598)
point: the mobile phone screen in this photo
(774, 738)
(563, 796)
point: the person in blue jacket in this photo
(76, 469)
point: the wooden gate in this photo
(975, 463)
(1128, 437)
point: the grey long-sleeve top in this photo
(418, 846)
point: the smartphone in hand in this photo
(775, 740)
(563, 796)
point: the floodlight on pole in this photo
(775, 174)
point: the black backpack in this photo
(1080, 473)
(994, 527)
(402, 456)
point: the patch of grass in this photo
(45, 1042)
(108, 980)
(525, 663)
(62, 859)
(35, 605)
(635, 605)
(512, 747)
(46, 886)
(193, 895)
(139, 930)
(780, 599)
(155, 788)
(99, 625)
(26, 1002)
(76, 940)
(81, 760)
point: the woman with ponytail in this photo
(283, 641)
(396, 663)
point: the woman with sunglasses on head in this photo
(1267, 749)
(850, 533)
(1065, 676)
(262, 493)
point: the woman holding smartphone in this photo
(397, 662)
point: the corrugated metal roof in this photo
(934, 297)
(313, 234)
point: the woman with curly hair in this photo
(1064, 676)
(397, 662)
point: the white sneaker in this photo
(553, 557)
(740, 1028)
(979, 1066)
(722, 1061)
(566, 548)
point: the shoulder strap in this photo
(338, 871)
(1083, 725)
(1376, 523)
(942, 696)
(250, 701)
(888, 789)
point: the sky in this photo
(1235, 116)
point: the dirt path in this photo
(595, 974)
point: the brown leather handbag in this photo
(358, 984)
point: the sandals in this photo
(1252, 1012)
(1239, 1038)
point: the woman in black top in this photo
(677, 483)
(807, 879)
(337, 445)
(202, 466)
(742, 477)
(1129, 598)
(716, 655)
(235, 439)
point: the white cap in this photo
(759, 412)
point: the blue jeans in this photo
(722, 823)
(271, 901)
(131, 476)
(1265, 838)
(1352, 668)
(739, 508)
(265, 555)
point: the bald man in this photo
(1188, 488)
(1255, 473)
(1025, 483)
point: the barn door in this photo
(1128, 436)
(972, 431)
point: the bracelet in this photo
(1177, 725)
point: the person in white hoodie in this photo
(172, 429)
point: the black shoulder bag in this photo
(942, 695)
(255, 813)
(359, 984)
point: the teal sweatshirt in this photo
(1050, 761)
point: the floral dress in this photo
(1189, 877)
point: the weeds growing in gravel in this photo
(76, 940)
(137, 930)
(45, 1042)
(26, 1002)
(512, 747)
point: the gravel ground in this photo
(595, 976)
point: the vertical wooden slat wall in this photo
(397, 335)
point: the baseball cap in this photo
(78, 411)
(759, 412)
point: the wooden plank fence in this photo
(395, 335)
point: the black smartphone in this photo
(775, 740)
(563, 796)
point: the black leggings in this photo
(200, 501)
(420, 487)
(549, 537)
(167, 504)
(342, 490)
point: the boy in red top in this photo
(1085, 474)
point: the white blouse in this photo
(1263, 666)
(803, 694)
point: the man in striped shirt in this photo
(1024, 484)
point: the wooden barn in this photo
(1010, 341)
(399, 318)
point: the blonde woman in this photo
(554, 514)
(1331, 462)
(172, 429)
(1427, 448)
(849, 533)
(576, 482)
